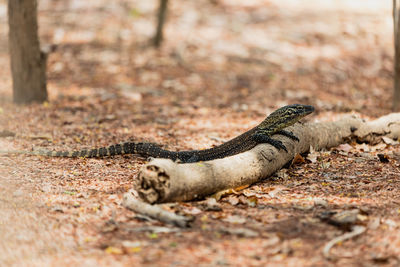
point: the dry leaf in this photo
(298, 159)
(224, 193)
(344, 147)
(114, 250)
(233, 200)
(235, 219)
(390, 141)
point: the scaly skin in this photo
(275, 123)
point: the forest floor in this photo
(223, 66)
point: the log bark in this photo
(162, 180)
(28, 63)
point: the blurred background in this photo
(219, 54)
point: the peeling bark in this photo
(163, 180)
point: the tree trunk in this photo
(160, 23)
(28, 63)
(396, 21)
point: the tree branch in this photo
(154, 211)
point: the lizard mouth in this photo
(309, 109)
(301, 109)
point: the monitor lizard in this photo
(273, 124)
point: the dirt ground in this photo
(223, 66)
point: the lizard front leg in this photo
(264, 138)
(288, 134)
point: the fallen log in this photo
(162, 180)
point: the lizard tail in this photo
(142, 149)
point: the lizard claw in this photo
(262, 138)
(277, 144)
(288, 134)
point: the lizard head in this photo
(285, 116)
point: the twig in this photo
(154, 211)
(357, 230)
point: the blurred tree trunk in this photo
(28, 63)
(396, 21)
(162, 11)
